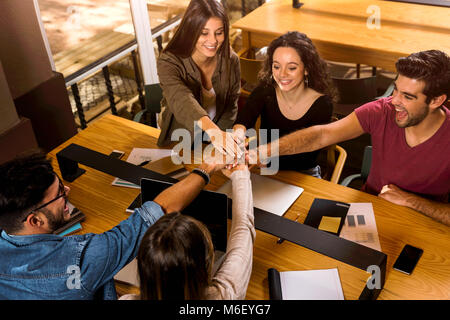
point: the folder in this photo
(327, 215)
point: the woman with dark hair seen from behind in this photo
(176, 255)
(200, 77)
(294, 92)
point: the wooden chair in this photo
(332, 160)
(250, 68)
(336, 156)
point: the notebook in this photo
(305, 285)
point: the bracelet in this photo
(202, 173)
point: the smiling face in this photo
(409, 102)
(211, 38)
(288, 69)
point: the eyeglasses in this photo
(61, 193)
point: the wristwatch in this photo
(202, 173)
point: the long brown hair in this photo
(175, 259)
(318, 77)
(194, 20)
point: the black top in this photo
(263, 101)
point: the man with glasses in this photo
(37, 264)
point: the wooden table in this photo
(339, 28)
(104, 206)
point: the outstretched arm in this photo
(317, 137)
(436, 210)
(181, 194)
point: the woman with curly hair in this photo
(294, 92)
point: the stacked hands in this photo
(231, 149)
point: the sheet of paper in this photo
(360, 226)
(311, 285)
(269, 194)
(138, 156)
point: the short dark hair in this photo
(318, 76)
(432, 67)
(194, 20)
(23, 183)
(175, 259)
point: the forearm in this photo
(436, 210)
(231, 280)
(304, 140)
(181, 194)
(207, 124)
(319, 136)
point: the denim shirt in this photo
(80, 267)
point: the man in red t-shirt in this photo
(410, 135)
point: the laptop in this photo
(269, 194)
(211, 208)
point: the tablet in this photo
(211, 208)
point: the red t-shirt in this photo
(423, 169)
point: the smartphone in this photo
(408, 259)
(116, 154)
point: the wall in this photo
(8, 113)
(34, 102)
(22, 50)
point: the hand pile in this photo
(233, 148)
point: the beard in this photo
(55, 221)
(414, 119)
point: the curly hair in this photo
(431, 67)
(318, 77)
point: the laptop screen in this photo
(211, 208)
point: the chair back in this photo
(367, 162)
(153, 97)
(336, 156)
(355, 90)
(250, 68)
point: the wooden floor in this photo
(69, 61)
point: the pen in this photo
(143, 163)
(280, 240)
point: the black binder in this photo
(330, 208)
(274, 284)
